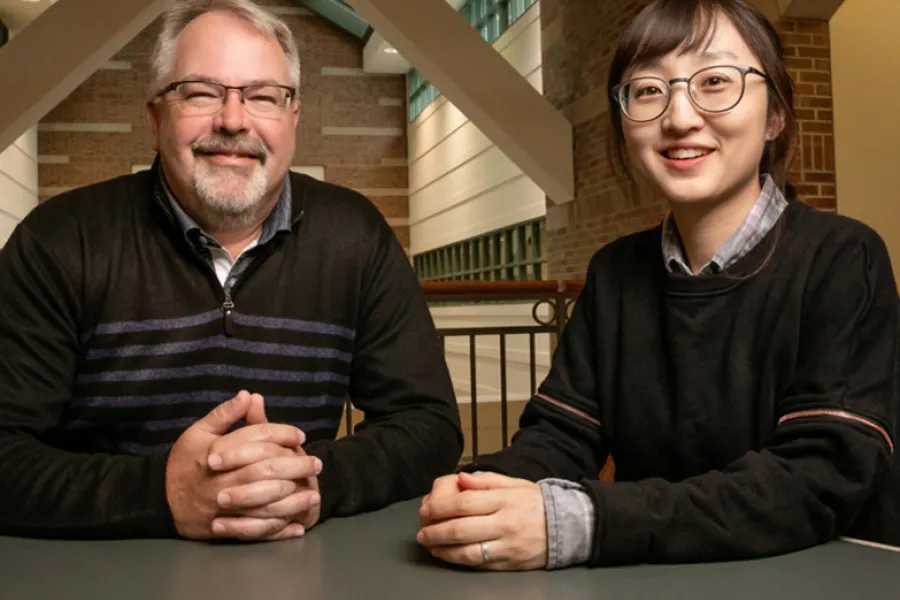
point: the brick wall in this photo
(333, 104)
(809, 63)
(578, 49)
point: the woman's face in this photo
(690, 155)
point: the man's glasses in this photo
(199, 98)
(712, 90)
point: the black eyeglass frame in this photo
(291, 93)
(743, 69)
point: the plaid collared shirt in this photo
(762, 217)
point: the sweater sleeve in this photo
(828, 453)
(46, 491)
(559, 433)
(411, 432)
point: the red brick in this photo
(823, 203)
(813, 52)
(798, 63)
(816, 27)
(797, 39)
(805, 190)
(816, 127)
(819, 177)
(815, 77)
(815, 102)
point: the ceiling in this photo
(19, 13)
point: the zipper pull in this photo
(227, 308)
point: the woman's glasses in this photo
(713, 90)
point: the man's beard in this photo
(231, 196)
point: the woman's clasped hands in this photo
(486, 521)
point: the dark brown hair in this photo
(689, 25)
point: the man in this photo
(140, 313)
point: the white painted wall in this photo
(18, 182)
(460, 183)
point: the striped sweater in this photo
(116, 336)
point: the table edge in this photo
(869, 544)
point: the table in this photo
(374, 556)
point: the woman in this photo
(738, 362)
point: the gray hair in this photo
(180, 13)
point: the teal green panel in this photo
(340, 14)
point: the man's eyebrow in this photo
(208, 79)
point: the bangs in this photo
(684, 25)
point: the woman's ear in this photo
(775, 126)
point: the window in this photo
(491, 18)
(515, 253)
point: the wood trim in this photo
(501, 288)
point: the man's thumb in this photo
(486, 481)
(220, 419)
(256, 414)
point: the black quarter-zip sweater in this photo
(115, 336)
(748, 414)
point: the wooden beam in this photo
(818, 10)
(58, 51)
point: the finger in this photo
(443, 486)
(295, 504)
(282, 467)
(486, 481)
(235, 458)
(248, 528)
(256, 494)
(293, 530)
(470, 555)
(256, 414)
(220, 419)
(457, 532)
(470, 503)
(275, 433)
(447, 484)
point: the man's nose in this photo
(232, 117)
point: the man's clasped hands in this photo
(257, 483)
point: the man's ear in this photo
(152, 109)
(295, 113)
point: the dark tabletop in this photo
(374, 556)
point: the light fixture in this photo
(390, 50)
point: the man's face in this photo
(226, 167)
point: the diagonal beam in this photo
(820, 10)
(482, 84)
(61, 49)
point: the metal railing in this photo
(551, 303)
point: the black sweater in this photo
(748, 414)
(113, 340)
